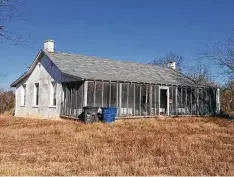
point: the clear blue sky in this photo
(137, 30)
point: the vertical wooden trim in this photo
(65, 100)
(120, 99)
(186, 100)
(207, 104)
(217, 101)
(168, 104)
(117, 98)
(82, 96)
(140, 100)
(94, 93)
(176, 100)
(191, 101)
(203, 101)
(102, 92)
(155, 100)
(134, 99)
(159, 97)
(76, 99)
(110, 94)
(197, 98)
(146, 99)
(172, 98)
(85, 93)
(127, 97)
(150, 98)
(181, 100)
(209, 92)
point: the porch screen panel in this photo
(157, 99)
(213, 100)
(113, 94)
(98, 94)
(79, 100)
(137, 100)
(153, 109)
(130, 100)
(90, 94)
(124, 99)
(189, 103)
(184, 101)
(200, 101)
(194, 101)
(204, 103)
(174, 99)
(171, 100)
(143, 100)
(179, 105)
(106, 92)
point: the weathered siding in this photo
(44, 73)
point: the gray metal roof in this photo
(95, 68)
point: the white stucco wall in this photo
(44, 73)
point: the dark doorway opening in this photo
(163, 101)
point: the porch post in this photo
(176, 100)
(117, 98)
(181, 100)
(76, 99)
(127, 97)
(120, 99)
(146, 99)
(110, 94)
(102, 92)
(94, 94)
(218, 101)
(197, 98)
(191, 101)
(159, 97)
(172, 102)
(140, 100)
(85, 93)
(155, 100)
(150, 99)
(203, 102)
(134, 98)
(186, 100)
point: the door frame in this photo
(168, 96)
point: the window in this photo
(36, 94)
(23, 98)
(53, 94)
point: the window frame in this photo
(36, 94)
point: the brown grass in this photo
(178, 146)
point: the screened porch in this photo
(139, 99)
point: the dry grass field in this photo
(176, 146)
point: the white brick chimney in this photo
(49, 45)
(172, 65)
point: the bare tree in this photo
(200, 74)
(7, 100)
(170, 57)
(9, 11)
(222, 54)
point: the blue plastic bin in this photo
(109, 114)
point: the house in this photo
(61, 84)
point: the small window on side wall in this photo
(36, 98)
(53, 93)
